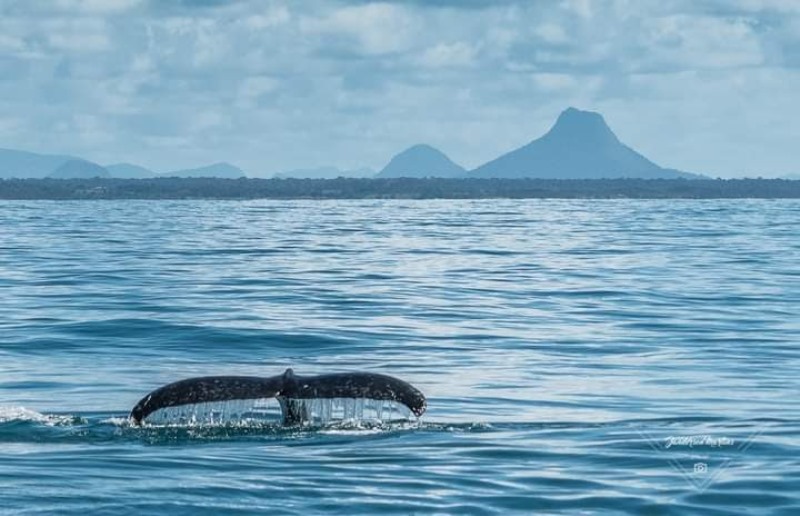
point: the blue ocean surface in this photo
(583, 356)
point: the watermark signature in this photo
(700, 458)
(692, 441)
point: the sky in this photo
(709, 86)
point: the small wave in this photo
(22, 425)
(355, 428)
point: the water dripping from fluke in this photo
(287, 400)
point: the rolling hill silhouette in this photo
(421, 161)
(79, 169)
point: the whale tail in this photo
(287, 388)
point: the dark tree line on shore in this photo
(401, 188)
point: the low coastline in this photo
(400, 188)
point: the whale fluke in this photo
(206, 389)
(284, 387)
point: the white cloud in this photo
(687, 42)
(209, 120)
(374, 28)
(91, 130)
(10, 125)
(11, 44)
(96, 6)
(120, 95)
(202, 42)
(551, 33)
(582, 8)
(554, 81)
(499, 39)
(457, 54)
(84, 34)
(168, 142)
(782, 6)
(252, 88)
(272, 17)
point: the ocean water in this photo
(637, 357)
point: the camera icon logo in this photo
(700, 468)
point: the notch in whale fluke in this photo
(284, 387)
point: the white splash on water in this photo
(117, 421)
(12, 413)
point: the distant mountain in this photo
(129, 171)
(79, 169)
(325, 173)
(421, 161)
(15, 163)
(791, 177)
(579, 146)
(222, 170)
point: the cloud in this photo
(371, 29)
(253, 88)
(77, 34)
(96, 6)
(583, 8)
(208, 121)
(267, 18)
(554, 81)
(447, 4)
(444, 55)
(552, 33)
(11, 125)
(699, 42)
(12, 45)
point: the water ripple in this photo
(561, 345)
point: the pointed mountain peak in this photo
(582, 125)
(580, 145)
